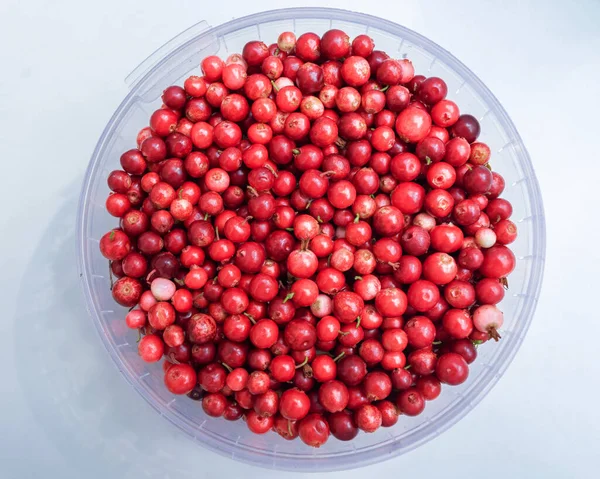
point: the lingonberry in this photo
(314, 430)
(271, 198)
(411, 402)
(368, 418)
(151, 348)
(452, 369)
(413, 124)
(342, 425)
(445, 113)
(351, 370)
(467, 127)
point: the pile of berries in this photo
(311, 238)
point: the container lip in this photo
(452, 414)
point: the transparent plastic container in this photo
(171, 65)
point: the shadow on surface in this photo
(93, 417)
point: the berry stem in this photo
(250, 317)
(288, 297)
(494, 334)
(303, 363)
(339, 356)
(226, 366)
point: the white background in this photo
(65, 411)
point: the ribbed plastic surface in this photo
(172, 64)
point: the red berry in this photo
(151, 348)
(420, 331)
(411, 402)
(413, 124)
(498, 262)
(294, 404)
(342, 425)
(127, 291)
(314, 430)
(180, 378)
(452, 369)
(391, 302)
(423, 295)
(368, 418)
(333, 396)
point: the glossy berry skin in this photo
(429, 387)
(408, 197)
(285, 428)
(506, 231)
(342, 194)
(258, 424)
(420, 331)
(324, 368)
(389, 413)
(300, 335)
(351, 370)
(466, 127)
(115, 245)
(342, 426)
(394, 339)
(201, 329)
(422, 361)
(267, 404)
(333, 396)
(439, 268)
(355, 71)
(452, 369)
(377, 385)
(432, 90)
(446, 238)
(314, 430)
(347, 306)
(413, 124)
(445, 113)
(477, 180)
(460, 294)
(391, 302)
(151, 348)
(368, 418)
(499, 261)
(180, 379)
(457, 323)
(423, 295)
(410, 402)
(127, 291)
(388, 221)
(465, 348)
(335, 44)
(214, 404)
(264, 333)
(489, 291)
